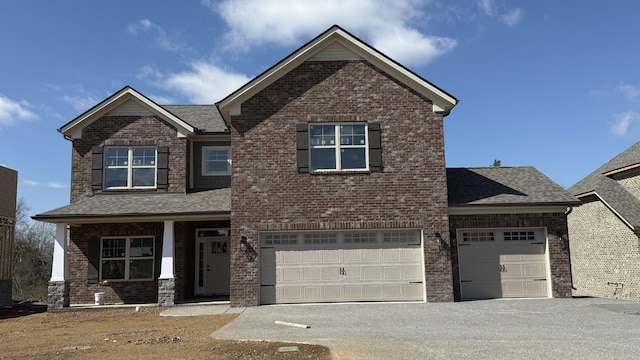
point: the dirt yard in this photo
(29, 333)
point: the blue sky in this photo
(552, 84)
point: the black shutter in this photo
(158, 257)
(96, 167)
(93, 255)
(163, 167)
(375, 148)
(302, 147)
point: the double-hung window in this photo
(338, 147)
(216, 160)
(130, 167)
(127, 258)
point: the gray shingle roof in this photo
(203, 117)
(504, 186)
(609, 190)
(210, 202)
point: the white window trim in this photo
(130, 168)
(338, 147)
(127, 258)
(204, 161)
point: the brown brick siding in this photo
(605, 253)
(127, 131)
(134, 291)
(556, 225)
(82, 292)
(268, 192)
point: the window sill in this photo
(120, 281)
(340, 172)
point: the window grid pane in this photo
(360, 238)
(127, 258)
(337, 147)
(399, 237)
(478, 236)
(320, 239)
(129, 167)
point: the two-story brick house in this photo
(321, 180)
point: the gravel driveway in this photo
(583, 328)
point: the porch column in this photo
(167, 281)
(58, 296)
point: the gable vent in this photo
(129, 108)
(335, 52)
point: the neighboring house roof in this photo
(131, 207)
(443, 102)
(501, 186)
(74, 128)
(609, 191)
(205, 118)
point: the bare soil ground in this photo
(27, 332)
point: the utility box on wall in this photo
(8, 197)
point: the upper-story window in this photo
(130, 167)
(216, 160)
(338, 147)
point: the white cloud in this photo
(12, 110)
(205, 83)
(30, 182)
(386, 24)
(631, 92)
(56, 185)
(160, 36)
(510, 17)
(622, 122)
(81, 103)
(48, 184)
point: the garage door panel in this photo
(392, 273)
(291, 275)
(311, 256)
(353, 274)
(372, 273)
(330, 274)
(311, 274)
(412, 273)
(330, 256)
(391, 255)
(341, 272)
(332, 292)
(499, 268)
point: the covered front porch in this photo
(175, 252)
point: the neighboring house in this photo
(8, 194)
(605, 247)
(321, 180)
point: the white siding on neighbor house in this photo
(335, 52)
(605, 253)
(129, 108)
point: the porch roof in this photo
(204, 205)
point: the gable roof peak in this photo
(73, 129)
(442, 101)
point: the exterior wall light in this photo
(439, 240)
(243, 243)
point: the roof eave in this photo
(133, 217)
(73, 129)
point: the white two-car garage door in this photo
(502, 263)
(341, 267)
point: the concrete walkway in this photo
(585, 328)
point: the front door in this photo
(213, 265)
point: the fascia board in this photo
(74, 128)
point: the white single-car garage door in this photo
(340, 267)
(502, 263)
